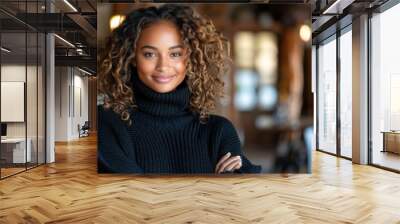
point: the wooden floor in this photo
(10, 171)
(71, 191)
(387, 159)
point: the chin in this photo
(163, 88)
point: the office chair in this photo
(84, 130)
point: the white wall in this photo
(12, 73)
(61, 103)
(12, 101)
(70, 83)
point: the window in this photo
(256, 55)
(346, 93)
(385, 88)
(327, 96)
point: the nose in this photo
(163, 63)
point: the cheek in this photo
(181, 68)
(145, 67)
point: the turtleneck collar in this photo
(151, 102)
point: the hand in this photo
(228, 163)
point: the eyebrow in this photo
(154, 48)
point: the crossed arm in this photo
(228, 163)
(230, 155)
(230, 152)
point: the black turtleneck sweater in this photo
(165, 136)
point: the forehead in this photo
(160, 32)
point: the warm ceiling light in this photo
(116, 20)
(65, 41)
(5, 50)
(305, 32)
(79, 51)
(70, 5)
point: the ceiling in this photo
(76, 24)
(329, 15)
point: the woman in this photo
(160, 77)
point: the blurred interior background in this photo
(268, 91)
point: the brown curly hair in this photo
(208, 53)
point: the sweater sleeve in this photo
(115, 150)
(230, 142)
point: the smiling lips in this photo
(163, 79)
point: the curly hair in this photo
(208, 51)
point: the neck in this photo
(151, 102)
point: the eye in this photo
(176, 54)
(148, 54)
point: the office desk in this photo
(391, 141)
(13, 150)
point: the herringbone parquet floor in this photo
(71, 191)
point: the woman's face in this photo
(161, 57)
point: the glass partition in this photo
(22, 89)
(13, 109)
